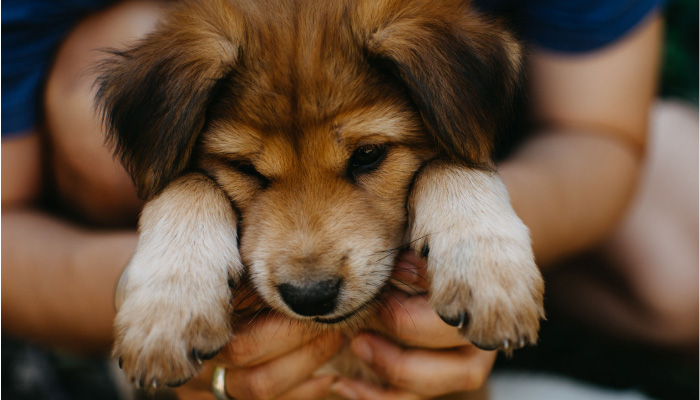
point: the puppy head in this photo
(154, 97)
(314, 118)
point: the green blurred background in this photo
(680, 65)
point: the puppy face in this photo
(314, 118)
(318, 158)
(325, 206)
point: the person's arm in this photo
(570, 183)
(58, 279)
(573, 180)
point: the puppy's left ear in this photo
(461, 69)
(154, 97)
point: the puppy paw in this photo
(162, 337)
(176, 305)
(487, 287)
(482, 273)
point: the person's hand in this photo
(270, 357)
(432, 360)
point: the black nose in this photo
(313, 299)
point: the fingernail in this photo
(362, 349)
(344, 390)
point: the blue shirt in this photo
(32, 31)
(572, 26)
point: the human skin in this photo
(592, 110)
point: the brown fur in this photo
(264, 103)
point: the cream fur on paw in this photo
(176, 308)
(481, 269)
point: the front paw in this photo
(482, 273)
(487, 287)
(176, 307)
(162, 337)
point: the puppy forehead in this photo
(226, 138)
(381, 123)
(362, 125)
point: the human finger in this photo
(273, 378)
(411, 321)
(277, 376)
(424, 371)
(360, 390)
(315, 388)
(265, 337)
(410, 270)
(193, 393)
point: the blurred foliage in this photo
(680, 65)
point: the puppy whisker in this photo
(256, 315)
(405, 309)
(414, 291)
(408, 270)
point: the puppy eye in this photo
(249, 170)
(366, 158)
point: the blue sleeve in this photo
(573, 26)
(32, 31)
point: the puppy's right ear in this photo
(154, 97)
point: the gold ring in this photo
(218, 384)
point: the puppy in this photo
(302, 144)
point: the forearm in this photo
(573, 180)
(570, 199)
(58, 280)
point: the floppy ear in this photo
(154, 97)
(461, 69)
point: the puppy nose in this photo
(313, 299)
